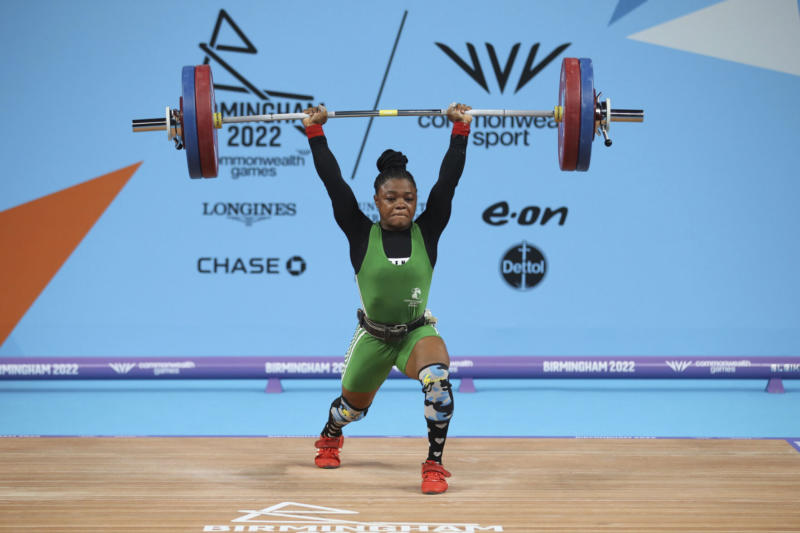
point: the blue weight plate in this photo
(587, 115)
(190, 141)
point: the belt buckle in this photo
(397, 330)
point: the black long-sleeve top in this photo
(356, 225)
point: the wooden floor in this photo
(270, 484)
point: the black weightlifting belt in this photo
(388, 332)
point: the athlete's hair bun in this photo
(392, 159)
(392, 165)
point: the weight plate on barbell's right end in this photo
(587, 115)
(190, 123)
(569, 97)
(206, 133)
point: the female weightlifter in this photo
(393, 262)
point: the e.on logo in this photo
(499, 214)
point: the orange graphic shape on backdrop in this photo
(37, 237)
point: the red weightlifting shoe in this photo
(328, 451)
(433, 475)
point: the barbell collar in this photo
(627, 115)
(149, 124)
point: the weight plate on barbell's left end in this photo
(206, 133)
(587, 115)
(190, 123)
(569, 97)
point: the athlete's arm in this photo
(437, 211)
(354, 223)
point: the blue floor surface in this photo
(504, 408)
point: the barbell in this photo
(580, 115)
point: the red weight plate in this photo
(206, 134)
(569, 129)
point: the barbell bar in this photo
(580, 115)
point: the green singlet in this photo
(391, 294)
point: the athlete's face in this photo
(397, 202)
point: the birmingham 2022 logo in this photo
(250, 149)
(490, 132)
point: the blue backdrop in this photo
(680, 239)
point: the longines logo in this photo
(475, 70)
(248, 213)
(261, 101)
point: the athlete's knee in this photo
(343, 413)
(438, 392)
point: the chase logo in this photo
(523, 266)
(474, 69)
(296, 265)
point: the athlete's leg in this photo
(367, 363)
(344, 409)
(349, 407)
(359, 400)
(429, 364)
(427, 351)
(438, 406)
